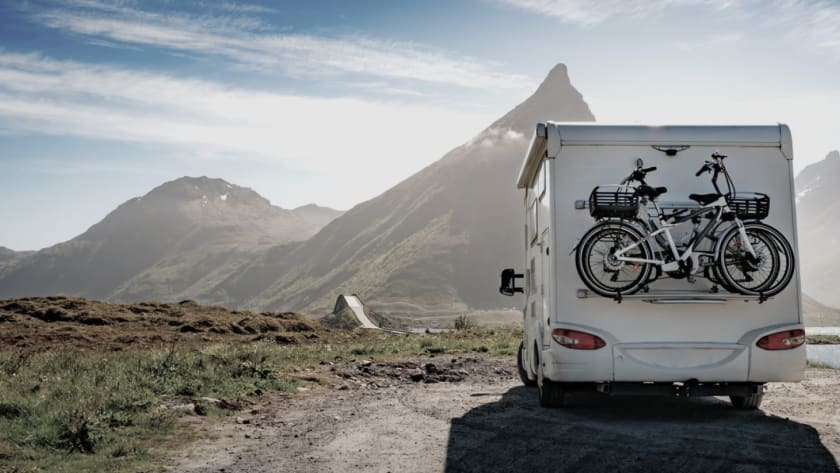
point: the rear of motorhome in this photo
(684, 329)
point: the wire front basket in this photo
(749, 205)
(618, 202)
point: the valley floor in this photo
(471, 413)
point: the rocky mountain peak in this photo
(206, 189)
(813, 174)
(555, 99)
(310, 207)
(6, 253)
(557, 81)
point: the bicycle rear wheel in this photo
(766, 273)
(787, 262)
(601, 271)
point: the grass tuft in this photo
(823, 340)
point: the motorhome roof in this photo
(565, 134)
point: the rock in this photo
(417, 377)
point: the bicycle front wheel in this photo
(599, 267)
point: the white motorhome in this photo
(680, 334)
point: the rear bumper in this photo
(676, 362)
(683, 390)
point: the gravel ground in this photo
(471, 413)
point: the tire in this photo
(520, 367)
(749, 402)
(551, 393)
(601, 273)
(766, 276)
(788, 259)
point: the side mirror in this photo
(508, 287)
(639, 163)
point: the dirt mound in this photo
(41, 323)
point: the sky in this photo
(334, 102)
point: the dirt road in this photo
(472, 414)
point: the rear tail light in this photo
(786, 340)
(577, 340)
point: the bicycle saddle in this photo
(651, 192)
(704, 199)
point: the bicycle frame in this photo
(720, 207)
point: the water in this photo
(429, 329)
(825, 354)
(822, 330)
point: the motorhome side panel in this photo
(539, 268)
(664, 342)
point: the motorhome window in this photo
(540, 184)
(527, 282)
(532, 223)
(546, 183)
(531, 282)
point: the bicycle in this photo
(632, 237)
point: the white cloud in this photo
(247, 42)
(815, 20)
(591, 12)
(41, 95)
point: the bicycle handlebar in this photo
(638, 175)
(717, 167)
(706, 168)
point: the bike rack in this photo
(677, 296)
(583, 204)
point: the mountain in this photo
(178, 240)
(7, 254)
(819, 315)
(818, 213)
(434, 243)
(9, 257)
(317, 215)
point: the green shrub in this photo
(463, 322)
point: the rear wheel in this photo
(600, 269)
(552, 394)
(521, 359)
(767, 272)
(787, 260)
(749, 402)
